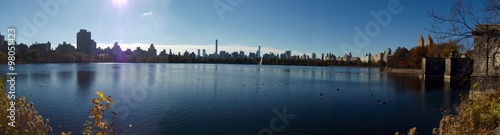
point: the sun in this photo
(120, 3)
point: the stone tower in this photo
(428, 40)
(420, 41)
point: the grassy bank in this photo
(474, 116)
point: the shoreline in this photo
(403, 71)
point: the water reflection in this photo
(117, 70)
(424, 86)
(39, 78)
(85, 77)
(200, 98)
(64, 76)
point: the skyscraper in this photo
(216, 43)
(288, 54)
(198, 53)
(204, 53)
(258, 52)
(92, 47)
(84, 42)
(2, 38)
(152, 50)
(3, 46)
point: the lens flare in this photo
(120, 3)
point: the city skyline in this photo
(304, 27)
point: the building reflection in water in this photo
(85, 77)
(411, 83)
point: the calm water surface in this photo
(237, 99)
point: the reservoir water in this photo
(237, 99)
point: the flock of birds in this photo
(378, 100)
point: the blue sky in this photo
(303, 26)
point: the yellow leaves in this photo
(101, 95)
(97, 114)
(96, 100)
(64, 133)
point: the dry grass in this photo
(474, 117)
(28, 120)
(412, 131)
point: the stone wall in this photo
(458, 68)
(486, 50)
(433, 66)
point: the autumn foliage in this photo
(404, 58)
(29, 121)
(101, 126)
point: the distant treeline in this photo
(401, 58)
(77, 57)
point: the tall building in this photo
(93, 47)
(222, 54)
(117, 53)
(198, 53)
(314, 56)
(387, 55)
(3, 46)
(84, 42)
(204, 53)
(428, 40)
(152, 50)
(216, 43)
(2, 38)
(258, 52)
(288, 54)
(420, 41)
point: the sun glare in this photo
(120, 3)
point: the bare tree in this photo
(464, 23)
(462, 19)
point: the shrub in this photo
(474, 116)
(27, 119)
(97, 112)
